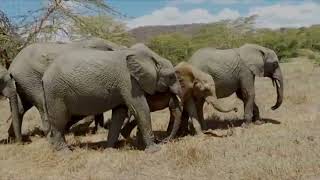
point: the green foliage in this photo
(286, 42)
(174, 47)
(312, 56)
(58, 17)
(104, 27)
(317, 61)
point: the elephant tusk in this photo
(179, 99)
(278, 83)
(273, 83)
(179, 102)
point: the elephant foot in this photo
(93, 130)
(259, 122)
(57, 140)
(201, 135)
(166, 140)
(246, 124)
(152, 148)
(125, 133)
(45, 127)
(12, 138)
(61, 147)
(65, 153)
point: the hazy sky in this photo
(272, 13)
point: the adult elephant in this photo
(28, 68)
(8, 90)
(197, 87)
(85, 82)
(234, 70)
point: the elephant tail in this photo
(44, 103)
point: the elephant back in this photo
(222, 65)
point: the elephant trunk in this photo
(16, 119)
(176, 90)
(212, 101)
(10, 92)
(277, 80)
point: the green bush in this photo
(317, 61)
(286, 42)
(174, 47)
(312, 56)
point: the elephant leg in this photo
(175, 117)
(128, 127)
(199, 108)
(45, 123)
(256, 113)
(16, 118)
(247, 94)
(23, 107)
(139, 108)
(117, 119)
(171, 130)
(193, 119)
(170, 124)
(57, 117)
(184, 129)
(98, 120)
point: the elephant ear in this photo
(144, 71)
(185, 77)
(253, 57)
(8, 85)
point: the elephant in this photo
(234, 70)
(87, 81)
(197, 87)
(28, 68)
(8, 90)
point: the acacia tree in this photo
(9, 40)
(58, 18)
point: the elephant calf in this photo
(197, 88)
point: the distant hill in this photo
(143, 34)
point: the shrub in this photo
(312, 56)
(174, 47)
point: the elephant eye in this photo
(172, 77)
(275, 65)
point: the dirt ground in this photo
(286, 147)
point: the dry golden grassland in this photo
(287, 147)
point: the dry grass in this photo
(285, 148)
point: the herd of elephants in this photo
(69, 81)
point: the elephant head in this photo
(8, 89)
(7, 85)
(194, 82)
(263, 62)
(153, 72)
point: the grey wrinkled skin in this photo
(197, 88)
(162, 99)
(234, 71)
(85, 82)
(29, 66)
(8, 90)
(157, 102)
